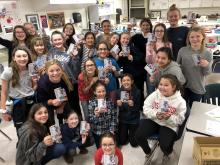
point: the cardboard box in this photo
(206, 151)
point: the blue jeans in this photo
(84, 109)
(53, 152)
(149, 85)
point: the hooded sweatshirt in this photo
(176, 107)
(174, 69)
(30, 151)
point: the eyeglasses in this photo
(103, 49)
(108, 145)
(159, 31)
(90, 65)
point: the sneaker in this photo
(83, 151)
(68, 159)
(72, 152)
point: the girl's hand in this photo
(102, 110)
(88, 126)
(34, 79)
(121, 54)
(34, 82)
(56, 102)
(94, 80)
(115, 55)
(106, 81)
(42, 70)
(84, 136)
(48, 141)
(107, 69)
(166, 116)
(113, 68)
(119, 103)
(152, 78)
(97, 112)
(130, 57)
(159, 115)
(130, 103)
(203, 63)
(6, 117)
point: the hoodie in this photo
(176, 107)
(30, 151)
(174, 69)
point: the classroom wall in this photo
(16, 10)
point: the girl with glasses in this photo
(109, 69)
(20, 36)
(87, 78)
(108, 153)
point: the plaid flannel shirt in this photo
(106, 121)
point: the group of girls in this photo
(89, 75)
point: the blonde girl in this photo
(196, 62)
(54, 78)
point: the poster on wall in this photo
(8, 29)
(33, 18)
(43, 20)
(56, 20)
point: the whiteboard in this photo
(206, 3)
(154, 4)
(216, 3)
(195, 3)
(164, 4)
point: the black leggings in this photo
(147, 128)
(127, 134)
(190, 96)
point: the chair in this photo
(155, 137)
(212, 94)
(216, 66)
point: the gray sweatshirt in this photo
(194, 74)
(174, 69)
(29, 151)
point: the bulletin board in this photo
(8, 15)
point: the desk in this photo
(212, 78)
(187, 149)
(197, 120)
